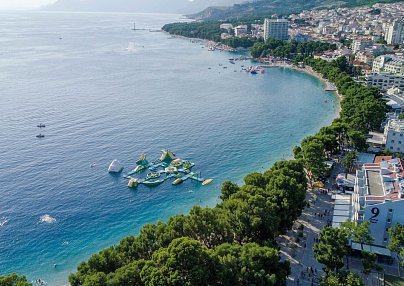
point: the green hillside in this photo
(263, 8)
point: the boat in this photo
(152, 175)
(207, 182)
(177, 181)
(133, 183)
(142, 160)
(41, 125)
(253, 72)
(115, 167)
(153, 183)
(40, 135)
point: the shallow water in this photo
(107, 92)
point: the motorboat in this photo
(40, 135)
(206, 182)
(41, 125)
(115, 167)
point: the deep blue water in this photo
(99, 102)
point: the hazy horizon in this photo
(134, 6)
(24, 4)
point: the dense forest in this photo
(289, 49)
(209, 30)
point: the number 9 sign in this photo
(375, 211)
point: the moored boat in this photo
(40, 135)
(206, 182)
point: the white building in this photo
(385, 81)
(226, 26)
(379, 198)
(240, 30)
(395, 33)
(360, 45)
(394, 134)
(391, 139)
(276, 28)
(388, 64)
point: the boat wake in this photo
(47, 219)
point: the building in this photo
(394, 134)
(391, 139)
(395, 33)
(388, 64)
(385, 81)
(360, 45)
(379, 198)
(276, 28)
(240, 30)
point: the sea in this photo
(104, 92)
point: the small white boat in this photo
(115, 167)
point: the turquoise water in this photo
(101, 101)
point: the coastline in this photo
(310, 71)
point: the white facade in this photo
(388, 64)
(378, 198)
(394, 134)
(276, 28)
(385, 81)
(360, 45)
(395, 33)
(240, 30)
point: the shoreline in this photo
(310, 71)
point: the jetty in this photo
(145, 29)
(160, 170)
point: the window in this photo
(385, 239)
(387, 229)
(391, 147)
(399, 142)
(389, 220)
(401, 134)
(392, 141)
(394, 133)
(390, 210)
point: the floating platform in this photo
(172, 168)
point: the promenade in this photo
(305, 270)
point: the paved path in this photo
(305, 269)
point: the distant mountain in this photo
(264, 8)
(138, 6)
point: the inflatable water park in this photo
(168, 167)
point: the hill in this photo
(264, 8)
